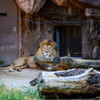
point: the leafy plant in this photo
(18, 94)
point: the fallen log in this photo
(73, 81)
(63, 63)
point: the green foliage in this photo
(33, 93)
(18, 94)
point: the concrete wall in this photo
(8, 31)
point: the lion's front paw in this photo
(17, 69)
(11, 69)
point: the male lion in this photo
(46, 49)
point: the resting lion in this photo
(46, 49)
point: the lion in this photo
(46, 49)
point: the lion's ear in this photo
(53, 44)
(44, 42)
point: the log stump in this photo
(84, 82)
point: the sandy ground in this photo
(18, 79)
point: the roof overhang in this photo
(91, 7)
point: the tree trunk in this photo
(70, 82)
(63, 63)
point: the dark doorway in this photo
(69, 40)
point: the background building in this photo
(73, 24)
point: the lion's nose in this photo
(46, 54)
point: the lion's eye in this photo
(44, 48)
(49, 48)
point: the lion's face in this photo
(47, 50)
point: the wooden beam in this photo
(87, 3)
(91, 2)
(78, 3)
(20, 35)
(63, 3)
(67, 3)
(91, 12)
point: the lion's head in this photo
(47, 49)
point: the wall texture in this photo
(8, 31)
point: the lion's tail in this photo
(4, 67)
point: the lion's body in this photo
(47, 49)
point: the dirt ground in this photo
(18, 79)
